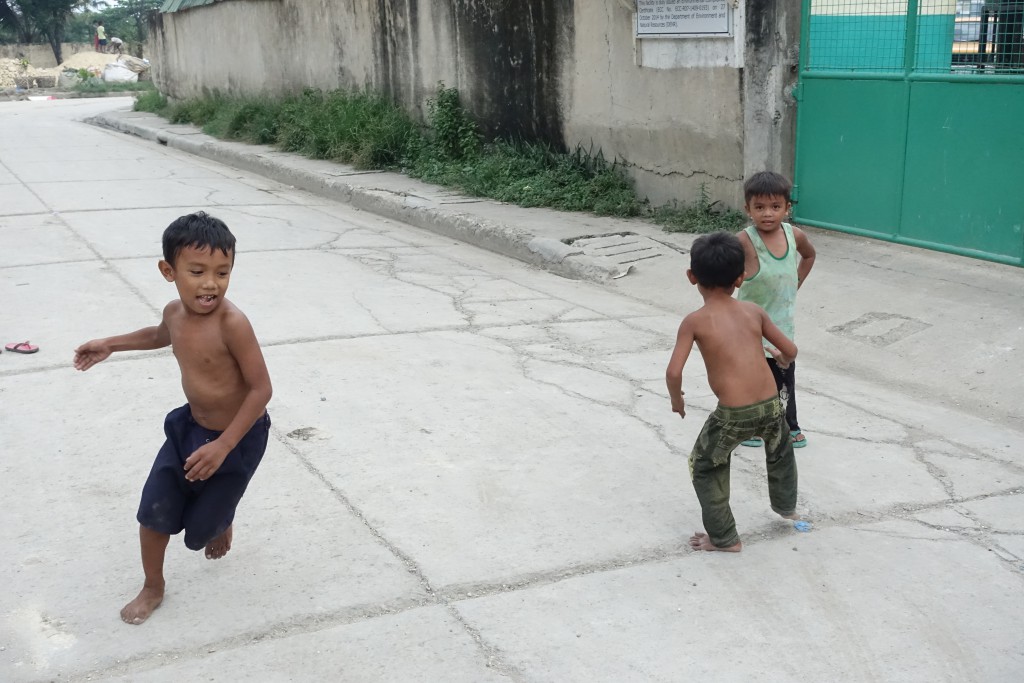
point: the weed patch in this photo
(370, 132)
(98, 85)
(151, 101)
(703, 216)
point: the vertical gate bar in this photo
(909, 62)
(805, 37)
(805, 44)
(910, 39)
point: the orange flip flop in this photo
(21, 347)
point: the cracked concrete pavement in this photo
(474, 473)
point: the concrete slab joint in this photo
(424, 208)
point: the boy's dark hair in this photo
(766, 184)
(199, 230)
(717, 260)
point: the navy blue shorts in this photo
(204, 509)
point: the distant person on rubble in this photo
(101, 36)
(95, 36)
(116, 45)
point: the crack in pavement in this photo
(89, 245)
(491, 655)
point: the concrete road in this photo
(474, 474)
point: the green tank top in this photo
(774, 286)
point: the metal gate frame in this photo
(907, 144)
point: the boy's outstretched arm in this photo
(807, 254)
(148, 338)
(674, 373)
(782, 347)
(245, 349)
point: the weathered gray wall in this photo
(41, 55)
(564, 71)
(770, 72)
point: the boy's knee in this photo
(193, 542)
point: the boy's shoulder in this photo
(173, 308)
(730, 307)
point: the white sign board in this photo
(671, 18)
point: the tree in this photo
(50, 17)
(13, 26)
(135, 12)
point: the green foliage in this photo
(48, 17)
(454, 135)
(98, 85)
(370, 132)
(702, 216)
(250, 120)
(128, 19)
(360, 128)
(125, 19)
(536, 175)
(198, 112)
(14, 26)
(151, 101)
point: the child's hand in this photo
(781, 359)
(206, 460)
(90, 353)
(679, 405)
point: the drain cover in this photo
(622, 248)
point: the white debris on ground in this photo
(93, 62)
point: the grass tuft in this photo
(703, 216)
(97, 85)
(151, 101)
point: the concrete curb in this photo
(506, 239)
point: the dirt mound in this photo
(85, 60)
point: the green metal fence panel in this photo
(849, 125)
(964, 154)
(857, 36)
(910, 122)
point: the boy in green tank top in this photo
(778, 259)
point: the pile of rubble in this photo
(9, 69)
(15, 74)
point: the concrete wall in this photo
(676, 112)
(41, 55)
(772, 55)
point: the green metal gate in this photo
(910, 123)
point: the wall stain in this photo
(516, 51)
(397, 43)
(508, 57)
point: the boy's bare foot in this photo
(219, 547)
(139, 609)
(701, 541)
(792, 515)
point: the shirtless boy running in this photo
(728, 333)
(215, 441)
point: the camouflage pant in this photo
(709, 463)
